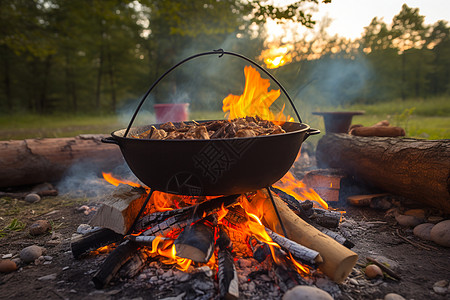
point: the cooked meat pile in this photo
(240, 127)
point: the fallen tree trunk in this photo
(416, 169)
(32, 161)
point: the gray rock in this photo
(32, 198)
(306, 293)
(409, 221)
(31, 253)
(440, 233)
(423, 231)
(393, 296)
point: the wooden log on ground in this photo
(119, 209)
(416, 169)
(133, 266)
(338, 261)
(32, 161)
(92, 241)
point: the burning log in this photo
(119, 209)
(93, 240)
(416, 169)
(228, 279)
(143, 240)
(196, 242)
(115, 260)
(194, 213)
(298, 251)
(32, 161)
(158, 217)
(338, 261)
(133, 266)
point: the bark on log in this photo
(32, 161)
(338, 261)
(416, 169)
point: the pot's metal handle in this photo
(109, 140)
(311, 131)
(221, 53)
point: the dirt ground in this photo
(374, 235)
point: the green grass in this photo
(429, 119)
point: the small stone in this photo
(39, 227)
(423, 231)
(251, 286)
(39, 261)
(7, 266)
(6, 256)
(48, 257)
(393, 296)
(353, 281)
(441, 287)
(373, 271)
(31, 253)
(183, 277)
(306, 292)
(48, 277)
(153, 279)
(409, 221)
(440, 233)
(66, 268)
(207, 270)
(32, 198)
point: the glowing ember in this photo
(255, 100)
(298, 190)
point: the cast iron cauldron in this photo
(211, 167)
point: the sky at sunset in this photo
(349, 17)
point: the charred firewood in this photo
(191, 214)
(115, 260)
(298, 251)
(228, 279)
(325, 218)
(335, 236)
(93, 240)
(260, 250)
(158, 217)
(133, 266)
(196, 242)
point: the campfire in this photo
(286, 222)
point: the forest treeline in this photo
(94, 56)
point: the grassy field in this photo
(429, 119)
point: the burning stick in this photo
(228, 280)
(143, 240)
(196, 242)
(298, 251)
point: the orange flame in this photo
(255, 100)
(298, 190)
(275, 57)
(166, 249)
(115, 181)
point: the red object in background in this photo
(173, 112)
